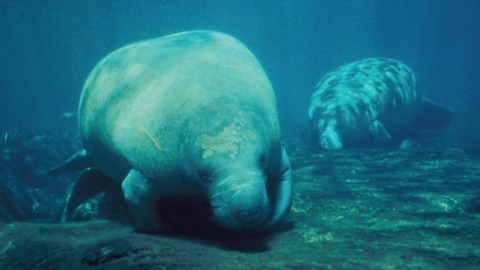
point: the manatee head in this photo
(327, 134)
(230, 164)
(236, 191)
(239, 199)
(330, 140)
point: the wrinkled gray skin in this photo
(372, 102)
(188, 114)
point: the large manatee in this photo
(374, 101)
(191, 113)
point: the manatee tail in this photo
(431, 116)
(79, 161)
(90, 183)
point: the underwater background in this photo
(413, 208)
(48, 48)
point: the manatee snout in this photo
(242, 208)
(330, 140)
(249, 207)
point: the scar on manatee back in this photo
(149, 135)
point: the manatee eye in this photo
(204, 175)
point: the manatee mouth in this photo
(249, 208)
(242, 208)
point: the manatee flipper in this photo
(431, 116)
(90, 183)
(139, 195)
(379, 133)
(282, 194)
(78, 161)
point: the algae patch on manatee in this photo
(225, 142)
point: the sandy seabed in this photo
(353, 209)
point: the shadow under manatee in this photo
(186, 217)
(191, 217)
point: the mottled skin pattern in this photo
(361, 99)
(188, 114)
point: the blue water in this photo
(47, 48)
